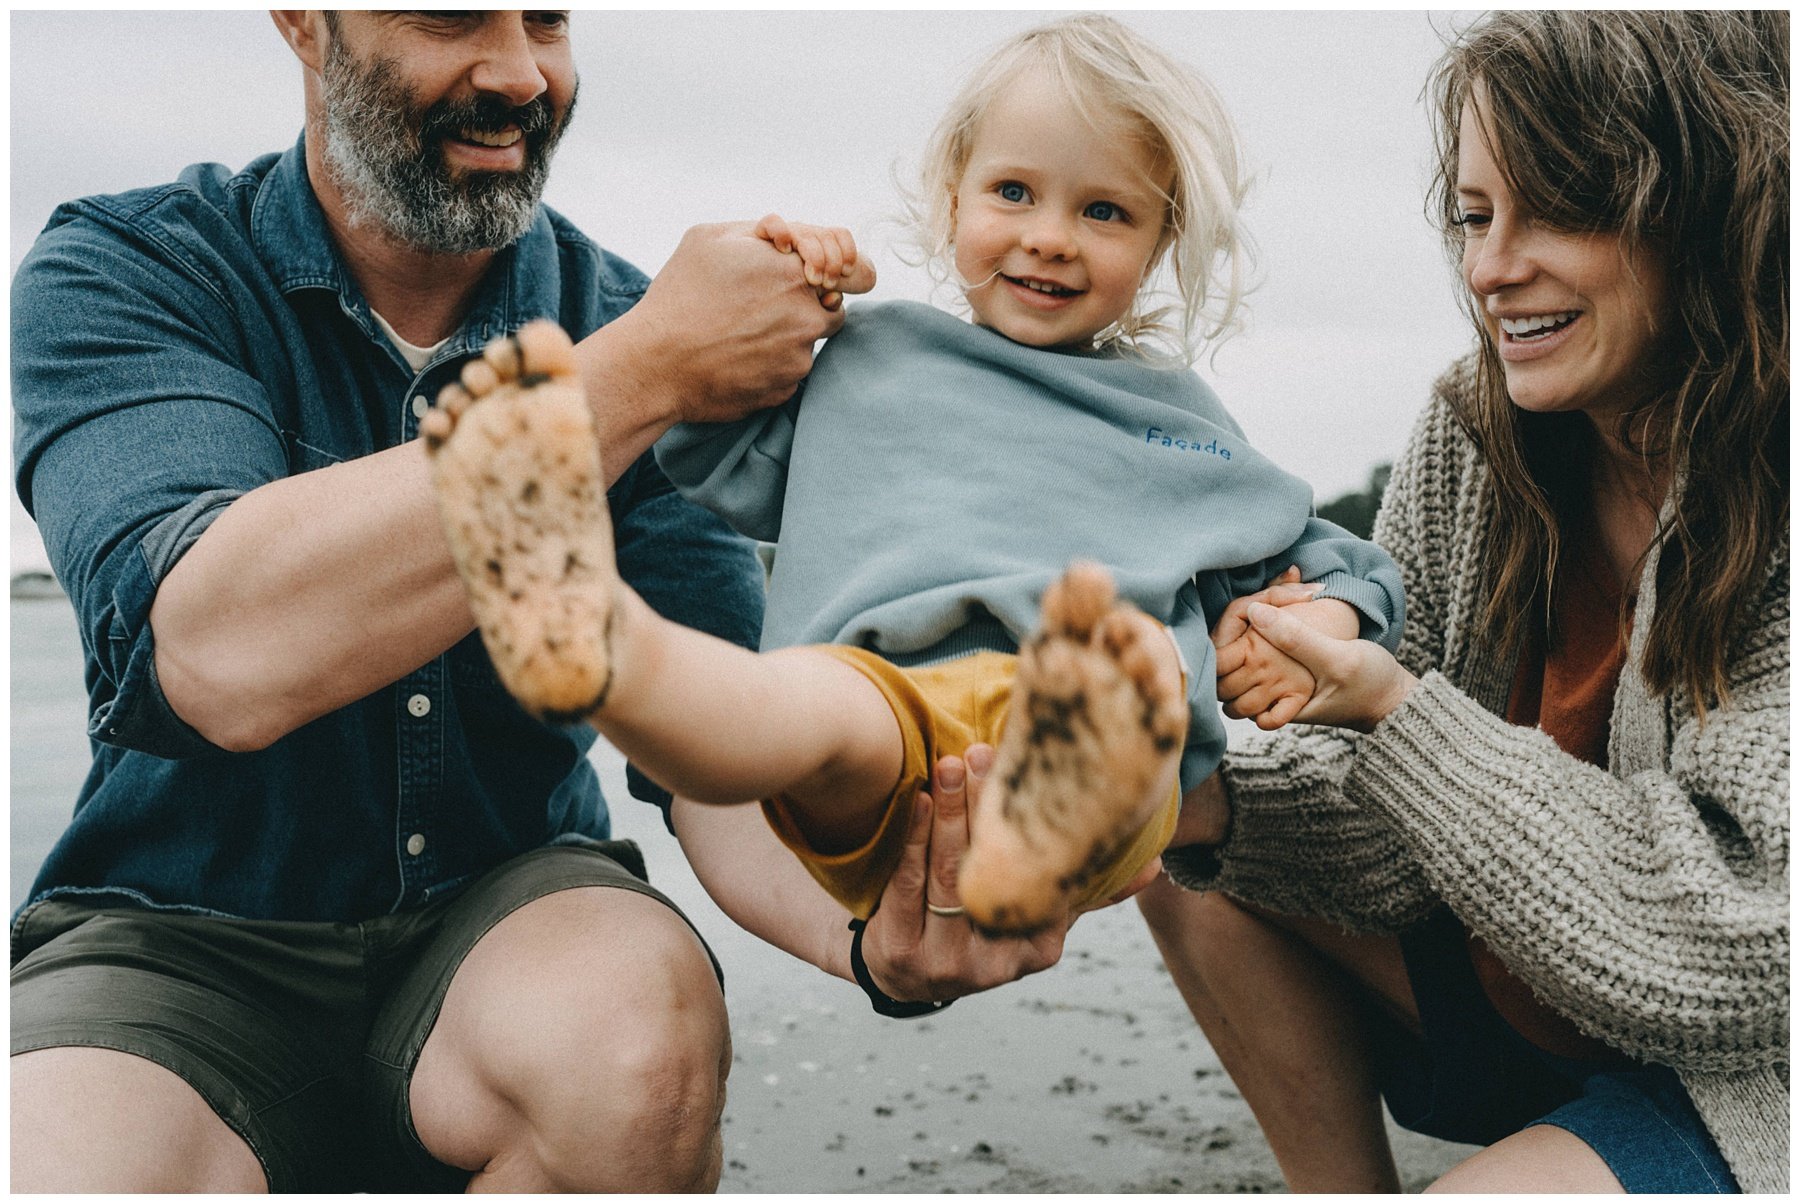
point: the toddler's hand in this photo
(1260, 682)
(827, 255)
(1257, 680)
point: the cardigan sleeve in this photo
(1650, 908)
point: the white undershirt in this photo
(413, 354)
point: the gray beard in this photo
(391, 178)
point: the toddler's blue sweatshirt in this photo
(933, 477)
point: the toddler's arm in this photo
(826, 253)
(1331, 560)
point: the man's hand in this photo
(736, 322)
(726, 328)
(827, 253)
(916, 954)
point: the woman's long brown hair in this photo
(1669, 129)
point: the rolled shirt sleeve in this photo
(137, 424)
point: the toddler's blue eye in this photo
(1013, 192)
(1105, 211)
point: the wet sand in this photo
(1089, 1077)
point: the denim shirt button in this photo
(415, 844)
(419, 406)
(418, 706)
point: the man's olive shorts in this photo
(301, 1036)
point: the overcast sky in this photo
(695, 117)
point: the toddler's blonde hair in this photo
(1107, 69)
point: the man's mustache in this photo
(488, 115)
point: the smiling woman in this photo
(1657, 216)
(1574, 316)
(1559, 844)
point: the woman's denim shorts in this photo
(1473, 1078)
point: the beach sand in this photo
(1089, 1077)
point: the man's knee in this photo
(647, 1101)
(596, 1063)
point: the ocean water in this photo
(49, 732)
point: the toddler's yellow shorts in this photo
(942, 709)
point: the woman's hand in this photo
(914, 953)
(1234, 621)
(1358, 683)
(1256, 680)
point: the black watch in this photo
(880, 1000)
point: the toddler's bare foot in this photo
(1097, 719)
(523, 500)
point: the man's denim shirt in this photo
(175, 348)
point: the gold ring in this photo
(935, 910)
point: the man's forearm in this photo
(631, 397)
(314, 591)
(306, 595)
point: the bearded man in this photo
(333, 913)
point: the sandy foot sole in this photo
(1097, 716)
(516, 466)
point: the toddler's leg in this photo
(524, 507)
(517, 470)
(1091, 750)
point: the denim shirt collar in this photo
(292, 238)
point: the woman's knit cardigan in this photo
(1647, 902)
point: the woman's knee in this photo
(1198, 920)
(1538, 1159)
